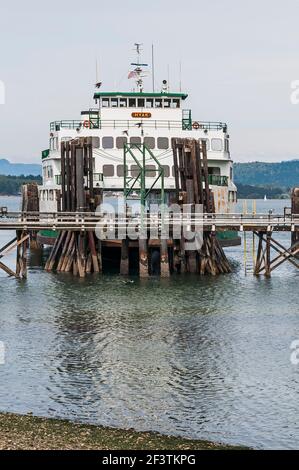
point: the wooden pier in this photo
(167, 241)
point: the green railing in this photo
(148, 124)
(217, 180)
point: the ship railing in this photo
(137, 123)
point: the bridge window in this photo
(175, 103)
(132, 102)
(217, 145)
(158, 103)
(166, 171)
(141, 102)
(150, 171)
(150, 142)
(107, 142)
(105, 102)
(135, 140)
(167, 103)
(114, 102)
(226, 145)
(95, 142)
(149, 103)
(120, 142)
(123, 102)
(108, 170)
(163, 143)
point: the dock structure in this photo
(180, 237)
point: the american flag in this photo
(132, 74)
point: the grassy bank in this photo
(29, 432)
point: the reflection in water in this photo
(199, 357)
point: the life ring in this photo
(196, 125)
(86, 124)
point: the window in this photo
(172, 171)
(123, 102)
(107, 143)
(120, 170)
(105, 102)
(175, 103)
(135, 140)
(207, 141)
(150, 171)
(132, 103)
(120, 142)
(217, 145)
(226, 144)
(166, 171)
(51, 195)
(114, 102)
(163, 143)
(167, 103)
(95, 142)
(231, 173)
(149, 103)
(213, 170)
(135, 170)
(141, 102)
(158, 103)
(108, 170)
(150, 142)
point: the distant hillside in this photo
(12, 185)
(283, 175)
(19, 169)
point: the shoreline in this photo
(28, 432)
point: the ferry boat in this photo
(138, 116)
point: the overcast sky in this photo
(238, 60)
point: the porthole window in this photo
(95, 142)
(217, 145)
(135, 170)
(107, 142)
(108, 170)
(135, 140)
(207, 141)
(150, 142)
(163, 143)
(150, 171)
(166, 171)
(120, 170)
(120, 142)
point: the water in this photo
(198, 357)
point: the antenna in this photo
(153, 67)
(138, 72)
(180, 76)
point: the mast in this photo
(138, 72)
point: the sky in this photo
(239, 60)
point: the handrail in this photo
(121, 124)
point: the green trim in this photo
(138, 95)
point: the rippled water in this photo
(199, 357)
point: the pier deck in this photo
(89, 221)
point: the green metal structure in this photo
(141, 155)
